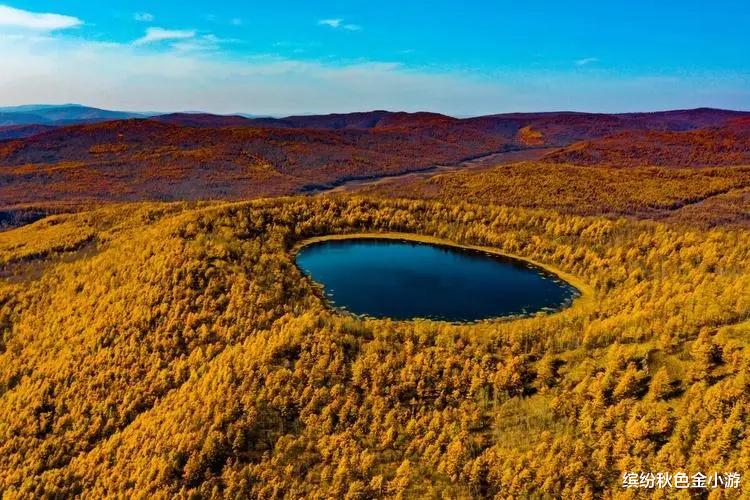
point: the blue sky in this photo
(301, 57)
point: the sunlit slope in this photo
(176, 349)
(701, 197)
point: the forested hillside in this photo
(699, 197)
(146, 160)
(198, 156)
(728, 144)
(155, 350)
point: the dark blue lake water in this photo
(404, 280)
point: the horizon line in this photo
(250, 115)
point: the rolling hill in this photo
(8, 132)
(162, 350)
(336, 121)
(201, 156)
(142, 159)
(728, 144)
(555, 127)
(175, 349)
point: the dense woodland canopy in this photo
(728, 144)
(162, 349)
(197, 157)
(154, 350)
(699, 197)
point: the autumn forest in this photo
(158, 340)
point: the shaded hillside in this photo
(725, 145)
(205, 120)
(21, 131)
(563, 128)
(555, 127)
(370, 120)
(198, 156)
(683, 119)
(141, 159)
(338, 121)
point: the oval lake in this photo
(399, 279)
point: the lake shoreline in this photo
(585, 296)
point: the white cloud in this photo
(331, 23)
(17, 18)
(54, 68)
(339, 23)
(236, 21)
(144, 17)
(202, 42)
(154, 35)
(587, 60)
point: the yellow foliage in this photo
(188, 355)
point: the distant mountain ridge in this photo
(659, 120)
(200, 156)
(59, 115)
(579, 124)
(336, 121)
